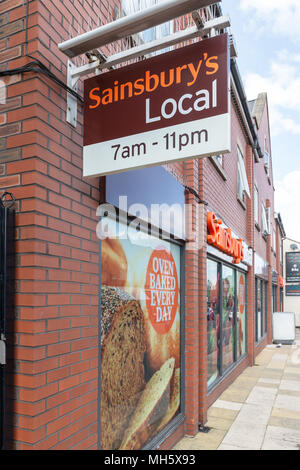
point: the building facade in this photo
(59, 382)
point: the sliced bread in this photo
(122, 368)
(174, 400)
(150, 409)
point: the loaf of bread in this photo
(150, 409)
(160, 347)
(174, 400)
(114, 264)
(122, 368)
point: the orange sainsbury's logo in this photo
(149, 82)
(223, 239)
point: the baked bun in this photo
(122, 367)
(150, 409)
(113, 263)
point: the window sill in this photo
(219, 168)
(241, 202)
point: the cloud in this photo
(287, 197)
(282, 84)
(279, 16)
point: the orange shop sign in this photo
(223, 239)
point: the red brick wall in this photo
(221, 194)
(53, 363)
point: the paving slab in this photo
(271, 373)
(276, 365)
(229, 405)
(219, 423)
(254, 414)
(293, 370)
(238, 395)
(266, 380)
(262, 395)
(287, 402)
(292, 385)
(279, 438)
(202, 441)
(222, 413)
(285, 413)
(284, 422)
(242, 435)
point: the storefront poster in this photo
(228, 316)
(241, 314)
(140, 373)
(213, 321)
(293, 289)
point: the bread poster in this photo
(140, 336)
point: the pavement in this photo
(260, 410)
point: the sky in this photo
(267, 37)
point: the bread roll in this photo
(113, 263)
(122, 368)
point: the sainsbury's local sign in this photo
(170, 107)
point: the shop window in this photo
(274, 239)
(266, 157)
(258, 310)
(141, 325)
(213, 321)
(243, 186)
(241, 314)
(265, 299)
(226, 318)
(256, 205)
(264, 220)
(261, 308)
(274, 298)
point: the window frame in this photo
(242, 183)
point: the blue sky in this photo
(267, 35)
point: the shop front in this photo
(226, 304)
